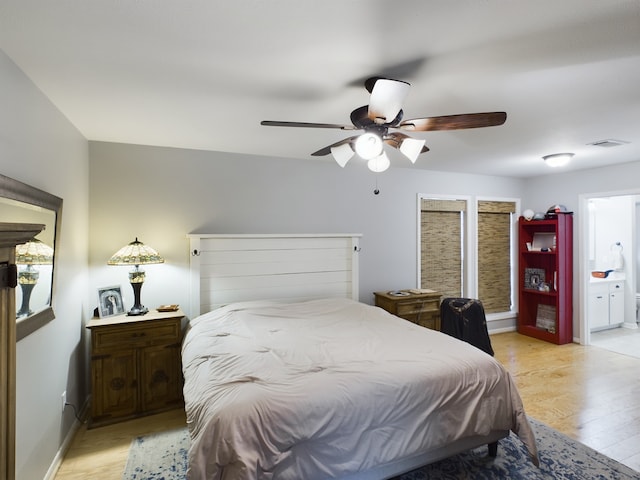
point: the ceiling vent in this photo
(609, 142)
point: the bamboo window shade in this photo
(494, 254)
(441, 245)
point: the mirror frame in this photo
(15, 190)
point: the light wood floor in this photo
(590, 394)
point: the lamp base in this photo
(137, 310)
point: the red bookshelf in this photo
(545, 285)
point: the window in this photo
(442, 245)
(496, 231)
(466, 249)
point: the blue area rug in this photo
(163, 456)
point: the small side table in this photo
(420, 308)
(136, 367)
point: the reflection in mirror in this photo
(21, 203)
(32, 253)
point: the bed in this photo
(333, 388)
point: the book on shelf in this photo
(546, 317)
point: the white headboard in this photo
(235, 268)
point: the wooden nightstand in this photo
(420, 308)
(135, 366)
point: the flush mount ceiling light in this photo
(558, 159)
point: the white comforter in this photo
(326, 388)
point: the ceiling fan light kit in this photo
(379, 164)
(558, 159)
(368, 145)
(411, 148)
(342, 153)
(383, 113)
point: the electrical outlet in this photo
(64, 400)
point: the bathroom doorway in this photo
(608, 243)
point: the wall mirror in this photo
(22, 203)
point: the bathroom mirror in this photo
(22, 203)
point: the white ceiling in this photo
(202, 74)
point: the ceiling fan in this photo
(383, 115)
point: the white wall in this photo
(162, 194)
(611, 223)
(39, 146)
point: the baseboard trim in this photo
(502, 330)
(66, 443)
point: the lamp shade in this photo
(34, 252)
(135, 253)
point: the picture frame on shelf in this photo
(110, 301)
(533, 278)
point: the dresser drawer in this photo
(416, 307)
(431, 321)
(136, 335)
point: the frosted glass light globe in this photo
(368, 146)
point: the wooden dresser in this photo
(135, 365)
(420, 308)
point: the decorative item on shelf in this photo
(136, 253)
(528, 214)
(544, 287)
(34, 252)
(110, 301)
(554, 210)
(168, 308)
(399, 293)
(533, 278)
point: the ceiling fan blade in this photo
(386, 100)
(327, 150)
(454, 122)
(274, 123)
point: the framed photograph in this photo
(110, 301)
(533, 278)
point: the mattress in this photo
(332, 387)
